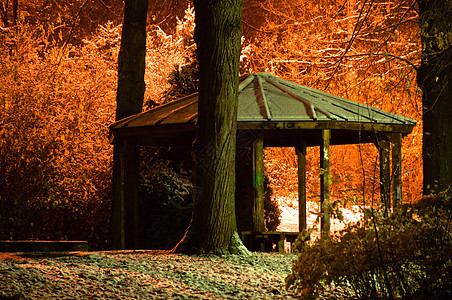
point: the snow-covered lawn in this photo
(289, 216)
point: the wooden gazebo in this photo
(271, 112)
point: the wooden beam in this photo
(168, 129)
(325, 182)
(385, 174)
(347, 125)
(396, 169)
(301, 157)
(258, 185)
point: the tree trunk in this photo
(129, 99)
(15, 7)
(435, 80)
(4, 12)
(131, 59)
(218, 35)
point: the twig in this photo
(69, 36)
(350, 42)
(355, 32)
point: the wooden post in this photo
(131, 195)
(117, 207)
(396, 169)
(258, 185)
(325, 182)
(385, 174)
(125, 197)
(301, 155)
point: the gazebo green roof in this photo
(271, 103)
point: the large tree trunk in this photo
(218, 35)
(435, 80)
(129, 101)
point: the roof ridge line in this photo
(163, 117)
(129, 119)
(385, 113)
(261, 96)
(246, 82)
(310, 108)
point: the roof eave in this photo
(343, 125)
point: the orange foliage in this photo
(310, 45)
(56, 104)
(55, 158)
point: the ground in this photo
(144, 275)
(156, 275)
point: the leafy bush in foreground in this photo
(406, 255)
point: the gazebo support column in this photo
(117, 208)
(385, 174)
(301, 155)
(125, 198)
(325, 182)
(258, 185)
(396, 169)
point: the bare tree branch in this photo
(355, 31)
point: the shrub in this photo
(55, 158)
(405, 255)
(56, 105)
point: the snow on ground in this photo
(289, 216)
(143, 275)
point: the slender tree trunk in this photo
(129, 97)
(4, 12)
(131, 59)
(15, 8)
(435, 81)
(218, 35)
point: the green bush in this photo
(407, 255)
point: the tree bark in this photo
(129, 101)
(15, 8)
(217, 35)
(435, 80)
(131, 59)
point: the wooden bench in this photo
(269, 241)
